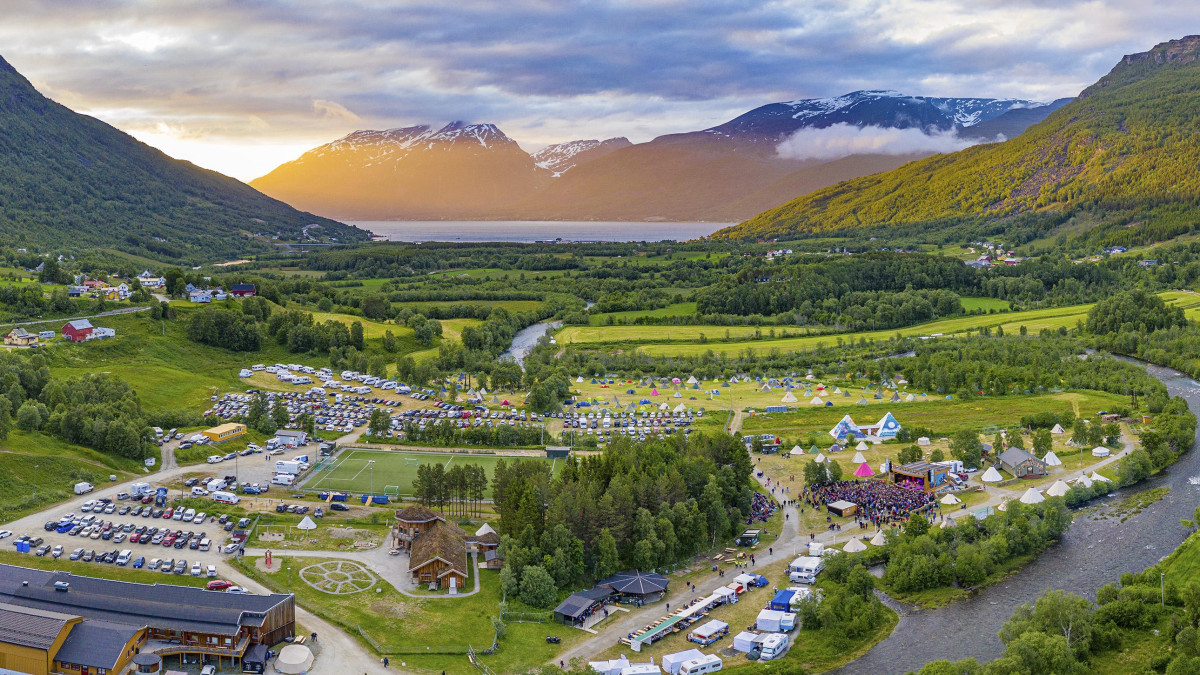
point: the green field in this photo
(677, 309)
(350, 471)
(510, 305)
(986, 304)
(1032, 320)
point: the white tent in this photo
(679, 408)
(1003, 506)
(1032, 496)
(1058, 489)
(1084, 481)
(837, 390)
(855, 545)
(579, 379)
(1097, 477)
(677, 395)
(797, 450)
(662, 406)
(484, 529)
(924, 440)
(861, 446)
(879, 539)
(950, 500)
(910, 398)
(1052, 459)
(788, 398)
(307, 524)
(1100, 451)
(819, 458)
(1057, 430)
(858, 458)
(691, 379)
(992, 475)
(816, 400)
(294, 659)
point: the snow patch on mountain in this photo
(368, 147)
(560, 158)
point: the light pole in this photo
(35, 468)
(1162, 589)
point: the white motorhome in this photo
(710, 663)
(804, 570)
(774, 646)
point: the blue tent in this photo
(583, 404)
(782, 601)
(645, 401)
(631, 391)
(828, 404)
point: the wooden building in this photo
(1022, 464)
(439, 556)
(19, 337)
(126, 617)
(924, 475)
(411, 522)
(224, 432)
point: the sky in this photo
(242, 86)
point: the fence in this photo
(527, 617)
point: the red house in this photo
(78, 331)
(242, 290)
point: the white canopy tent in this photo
(1100, 451)
(306, 524)
(1032, 496)
(1084, 481)
(820, 458)
(1097, 477)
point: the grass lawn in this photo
(101, 570)
(425, 634)
(40, 462)
(1183, 565)
(986, 304)
(199, 454)
(351, 473)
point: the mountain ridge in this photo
(1125, 150)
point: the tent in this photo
(673, 662)
(1052, 459)
(654, 392)
(819, 459)
(817, 401)
(307, 524)
(295, 659)
(788, 398)
(861, 446)
(797, 450)
(1032, 496)
(579, 380)
(1057, 430)
(1058, 489)
(1084, 481)
(855, 545)
(484, 529)
(910, 398)
(1100, 451)
(858, 457)
(675, 380)
(679, 408)
(864, 471)
(950, 500)
(879, 539)
(862, 401)
(691, 380)
(837, 390)
(635, 582)
(677, 395)
(1097, 477)
(992, 475)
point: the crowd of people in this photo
(762, 508)
(879, 502)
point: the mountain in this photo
(458, 171)
(1123, 155)
(1011, 123)
(724, 173)
(560, 158)
(68, 180)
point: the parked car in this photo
(139, 562)
(338, 506)
(76, 554)
(42, 550)
(57, 552)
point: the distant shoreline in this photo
(532, 231)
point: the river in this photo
(1091, 554)
(527, 338)
(535, 230)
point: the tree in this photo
(1056, 613)
(835, 470)
(607, 558)
(965, 447)
(29, 415)
(356, 335)
(537, 587)
(380, 423)
(1042, 441)
(390, 343)
(815, 474)
(908, 455)
(937, 456)
(6, 419)
(51, 273)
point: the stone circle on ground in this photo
(338, 577)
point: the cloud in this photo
(840, 140)
(334, 110)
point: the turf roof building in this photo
(439, 556)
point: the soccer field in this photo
(352, 471)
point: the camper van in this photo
(226, 498)
(283, 479)
(804, 570)
(774, 646)
(710, 663)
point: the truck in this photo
(140, 490)
(288, 467)
(82, 488)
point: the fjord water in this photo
(535, 230)
(1091, 554)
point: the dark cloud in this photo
(300, 72)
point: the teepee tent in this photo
(864, 470)
(797, 450)
(858, 458)
(306, 524)
(789, 398)
(691, 380)
(1032, 496)
(1097, 477)
(992, 475)
(820, 458)
(879, 539)
(1057, 430)
(837, 390)
(1052, 459)
(484, 529)
(861, 446)
(817, 401)
(1058, 489)
(679, 408)
(855, 545)
(1084, 481)
(950, 500)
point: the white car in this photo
(197, 569)
(5, 534)
(237, 589)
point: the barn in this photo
(78, 330)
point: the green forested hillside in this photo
(70, 181)
(1125, 153)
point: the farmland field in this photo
(350, 471)
(986, 304)
(677, 309)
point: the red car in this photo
(218, 585)
(168, 513)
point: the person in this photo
(385, 662)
